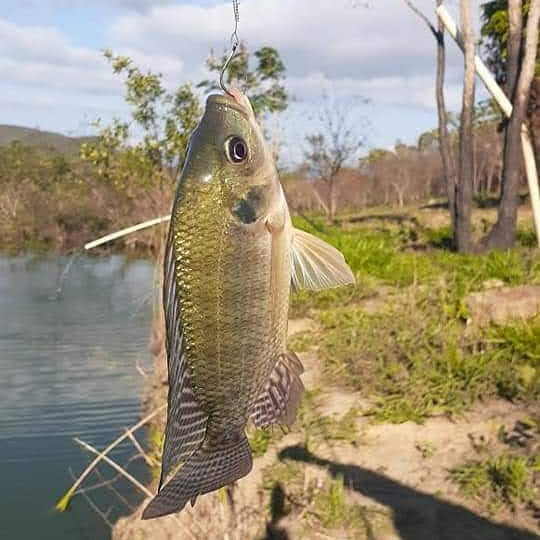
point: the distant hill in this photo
(45, 140)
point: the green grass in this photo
(426, 448)
(317, 506)
(333, 510)
(494, 482)
(415, 360)
(261, 439)
(383, 256)
(413, 356)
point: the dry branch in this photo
(424, 17)
(145, 456)
(63, 503)
(125, 232)
(103, 515)
(114, 465)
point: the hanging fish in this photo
(232, 256)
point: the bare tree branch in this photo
(424, 17)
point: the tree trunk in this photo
(462, 232)
(534, 117)
(515, 26)
(332, 199)
(444, 140)
(503, 234)
(449, 169)
(321, 202)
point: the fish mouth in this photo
(227, 101)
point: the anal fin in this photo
(281, 396)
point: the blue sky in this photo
(54, 77)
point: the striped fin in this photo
(212, 467)
(317, 265)
(186, 422)
(279, 401)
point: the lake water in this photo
(68, 368)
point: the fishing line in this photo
(234, 43)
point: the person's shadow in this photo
(277, 511)
(416, 516)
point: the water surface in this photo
(67, 368)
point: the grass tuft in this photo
(504, 480)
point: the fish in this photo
(231, 260)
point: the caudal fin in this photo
(211, 468)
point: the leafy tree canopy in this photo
(262, 83)
(164, 119)
(494, 32)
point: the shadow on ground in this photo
(416, 516)
(277, 511)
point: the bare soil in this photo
(397, 473)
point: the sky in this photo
(373, 58)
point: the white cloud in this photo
(311, 35)
(43, 56)
(384, 53)
(397, 91)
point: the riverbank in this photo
(417, 422)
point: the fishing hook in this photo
(234, 43)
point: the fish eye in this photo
(237, 150)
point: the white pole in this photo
(124, 232)
(504, 103)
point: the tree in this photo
(329, 150)
(262, 84)
(165, 120)
(449, 169)
(503, 56)
(464, 185)
(162, 123)
(502, 235)
(499, 49)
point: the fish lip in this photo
(224, 100)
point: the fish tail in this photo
(214, 465)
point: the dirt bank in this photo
(363, 480)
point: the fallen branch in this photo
(103, 515)
(64, 501)
(139, 369)
(114, 465)
(145, 456)
(110, 485)
(125, 232)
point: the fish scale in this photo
(229, 332)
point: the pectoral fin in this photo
(317, 265)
